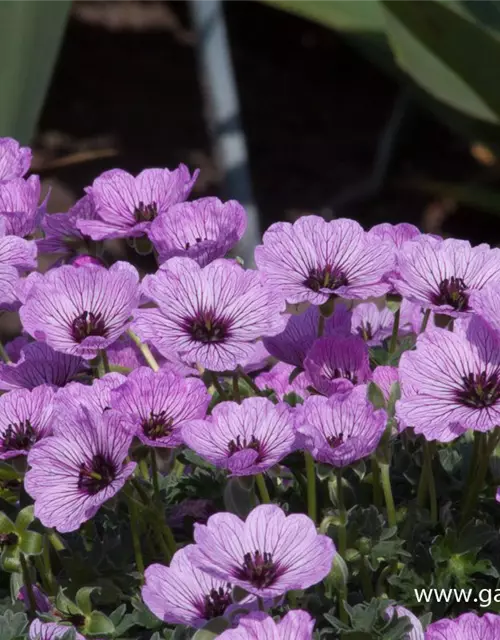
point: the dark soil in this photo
(126, 85)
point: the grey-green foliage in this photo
(448, 50)
(30, 36)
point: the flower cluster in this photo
(239, 399)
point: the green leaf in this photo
(30, 35)
(9, 559)
(345, 15)
(375, 396)
(98, 624)
(428, 40)
(24, 518)
(83, 600)
(6, 524)
(65, 605)
(31, 543)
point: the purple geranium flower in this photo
(203, 230)
(371, 323)
(336, 364)
(342, 428)
(267, 555)
(19, 206)
(417, 631)
(74, 472)
(183, 594)
(95, 397)
(25, 418)
(160, 404)
(81, 310)
(395, 234)
(296, 625)
(292, 344)
(39, 364)
(385, 377)
(486, 303)
(314, 259)
(451, 382)
(42, 602)
(211, 316)
(126, 206)
(440, 274)
(16, 255)
(62, 236)
(51, 631)
(278, 379)
(189, 511)
(246, 438)
(14, 160)
(468, 626)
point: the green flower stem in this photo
(487, 445)
(395, 331)
(48, 574)
(143, 468)
(145, 350)
(429, 454)
(29, 585)
(342, 532)
(163, 532)
(377, 489)
(425, 320)
(218, 386)
(321, 325)
(311, 486)
(250, 382)
(342, 540)
(154, 476)
(389, 500)
(4, 355)
(236, 389)
(366, 579)
(475, 458)
(261, 485)
(136, 541)
(55, 540)
(105, 361)
(423, 484)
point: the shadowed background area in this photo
(126, 93)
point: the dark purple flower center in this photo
(206, 328)
(145, 212)
(328, 278)
(216, 602)
(96, 474)
(19, 437)
(259, 569)
(336, 441)
(365, 331)
(238, 445)
(479, 390)
(452, 292)
(334, 374)
(88, 324)
(8, 539)
(158, 425)
(188, 245)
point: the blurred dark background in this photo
(126, 93)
